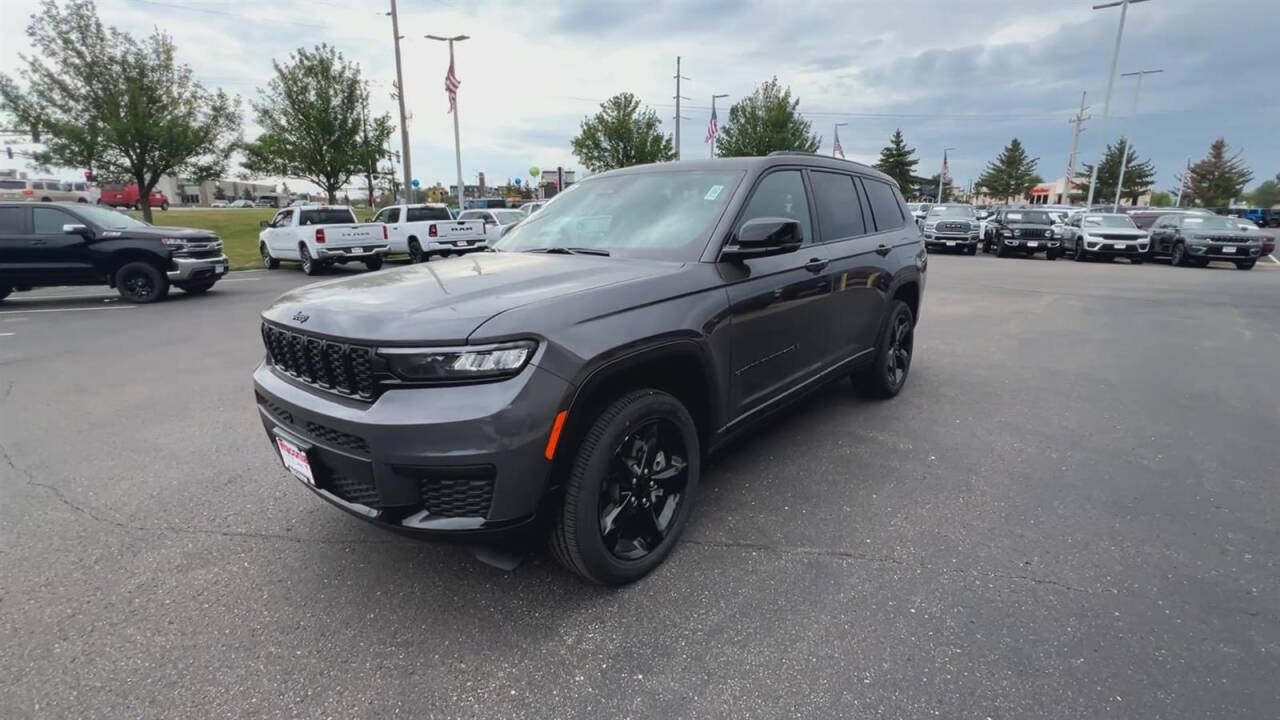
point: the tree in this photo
(1219, 178)
(1265, 195)
(1139, 176)
(102, 100)
(621, 134)
(897, 162)
(766, 121)
(313, 117)
(1011, 174)
(247, 193)
(1160, 198)
(219, 193)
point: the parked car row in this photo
(27, 190)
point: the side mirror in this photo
(762, 237)
(76, 229)
(264, 224)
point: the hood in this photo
(164, 232)
(1117, 231)
(444, 301)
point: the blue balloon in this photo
(517, 182)
(415, 182)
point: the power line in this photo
(211, 11)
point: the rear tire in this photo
(268, 262)
(415, 251)
(1246, 265)
(373, 263)
(4, 292)
(887, 373)
(198, 287)
(593, 499)
(309, 265)
(141, 282)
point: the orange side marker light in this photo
(555, 433)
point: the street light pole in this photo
(713, 115)
(1128, 140)
(404, 123)
(942, 174)
(1111, 81)
(457, 143)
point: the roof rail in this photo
(791, 152)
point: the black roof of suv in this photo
(646, 314)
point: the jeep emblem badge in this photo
(300, 317)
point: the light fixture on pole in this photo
(713, 125)
(836, 148)
(451, 86)
(942, 176)
(1111, 80)
(1128, 140)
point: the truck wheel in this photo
(630, 489)
(268, 262)
(1000, 248)
(887, 373)
(1050, 254)
(164, 205)
(415, 251)
(971, 250)
(373, 263)
(196, 288)
(137, 206)
(1245, 265)
(1179, 256)
(1135, 261)
(4, 292)
(309, 266)
(141, 282)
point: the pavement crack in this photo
(62, 498)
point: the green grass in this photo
(238, 228)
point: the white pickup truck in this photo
(317, 236)
(429, 229)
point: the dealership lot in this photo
(1069, 512)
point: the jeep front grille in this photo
(337, 367)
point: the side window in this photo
(839, 209)
(12, 221)
(49, 221)
(781, 194)
(381, 217)
(282, 219)
(884, 206)
(393, 215)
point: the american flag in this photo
(713, 127)
(837, 148)
(451, 84)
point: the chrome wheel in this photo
(645, 489)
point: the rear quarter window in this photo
(884, 205)
(13, 184)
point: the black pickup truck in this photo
(43, 244)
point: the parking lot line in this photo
(7, 334)
(79, 309)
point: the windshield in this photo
(951, 211)
(327, 216)
(110, 219)
(1110, 221)
(1035, 217)
(506, 217)
(659, 215)
(1210, 223)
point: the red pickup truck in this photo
(127, 196)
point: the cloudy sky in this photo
(969, 75)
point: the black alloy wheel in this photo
(415, 251)
(1179, 256)
(887, 373)
(629, 490)
(140, 282)
(1246, 264)
(644, 489)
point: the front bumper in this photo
(1230, 253)
(184, 269)
(1116, 247)
(941, 240)
(462, 461)
(363, 251)
(1031, 246)
(440, 246)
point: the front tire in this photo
(309, 265)
(1000, 248)
(629, 491)
(1246, 264)
(1135, 261)
(164, 206)
(887, 373)
(141, 282)
(971, 250)
(373, 263)
(1178, 257)
(268, 262)
(1050, 254)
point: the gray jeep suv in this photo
(577, 374)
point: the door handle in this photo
(816, 265)
(883, 250)
(39, 242)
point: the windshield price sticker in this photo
(714, 192)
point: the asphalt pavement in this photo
(1070, 512)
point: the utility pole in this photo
(679, 77)
(1128, 140)
(457, 144)
(404, 122)
(1182, 185)
(1081, 116)
(1111, 82)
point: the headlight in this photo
(1006, 233)
(446, 364)
(930, 226)
(174, 242)
(1049, 234)
(1017, 232)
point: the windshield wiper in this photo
(571, 251)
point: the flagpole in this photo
(713, 119)
(942, 176)
(457, 143)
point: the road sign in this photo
(534, 172)
(415, 183)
